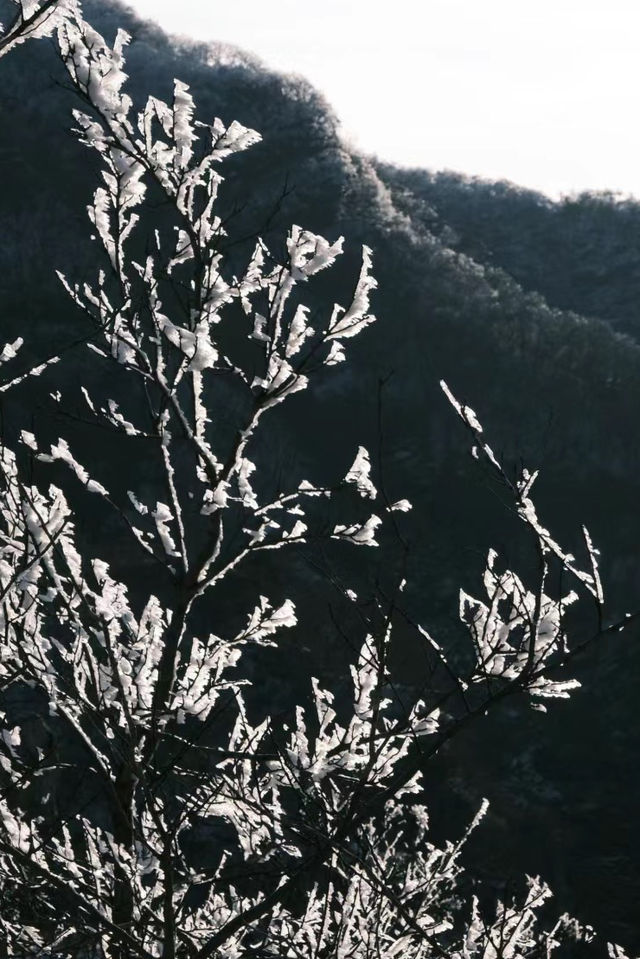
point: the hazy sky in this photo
(545, 93)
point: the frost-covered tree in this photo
(32, 19)
(201, 829)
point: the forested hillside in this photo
(581, 253)
(527, 307)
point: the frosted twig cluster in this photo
(33, 19)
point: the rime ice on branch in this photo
(34, 19)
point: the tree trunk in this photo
(123, 901)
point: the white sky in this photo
(544, 93)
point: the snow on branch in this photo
(345, 324)
(517, 634)
(359, 474)
(526, 509)
(35, 19)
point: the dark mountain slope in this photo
(582, 253)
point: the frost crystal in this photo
(359, 474)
